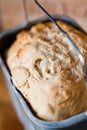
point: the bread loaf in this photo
(48, 72)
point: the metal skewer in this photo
(81, 57)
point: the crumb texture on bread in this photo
(48, 72)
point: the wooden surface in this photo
(8, 117)
(13, 11)
(12, 14)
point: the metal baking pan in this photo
(26, 116)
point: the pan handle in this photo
(25, 12)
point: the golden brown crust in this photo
(48, 72)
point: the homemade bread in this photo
(48, 72)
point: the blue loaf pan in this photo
(26, 116)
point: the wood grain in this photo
(13, 13)
(8, 117)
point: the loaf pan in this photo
(26, 116)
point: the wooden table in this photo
(8, 117)
(12, 15)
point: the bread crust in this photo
(48, 72)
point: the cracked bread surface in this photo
(47, 71)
